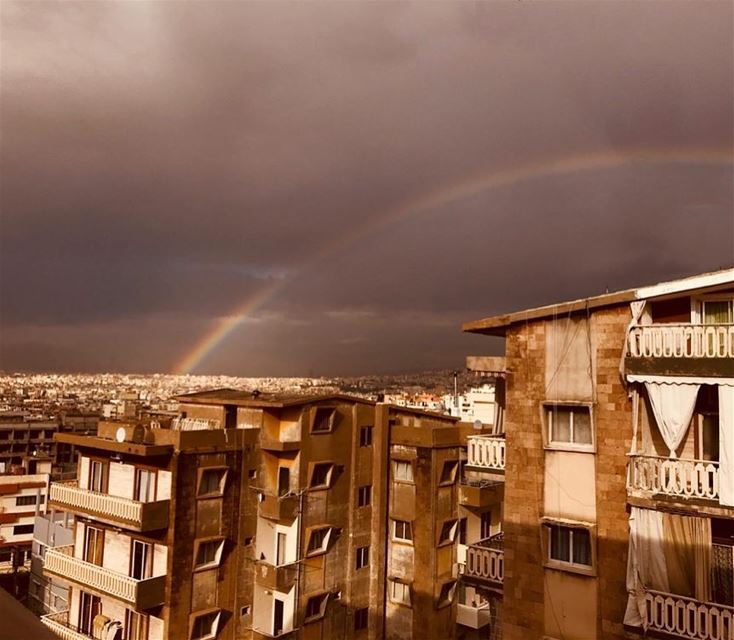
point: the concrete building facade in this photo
(619, 421)
(250, 516)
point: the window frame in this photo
(330, 423)
(361, 619)
(572, 567)
(218, 554)
(451, 527)
(329, 475)
(361, 558)
(201, 471)
(407, 528)
(446, 594)
(546, 412)
(453, 466)
(364, 496)
(406, 588)
(325, 542)
(398, 461)
(365, 429)
(323, 601)
(214, 629)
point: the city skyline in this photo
(273, 190)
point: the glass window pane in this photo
(717, 311)
(581, 547)
(582, 426)
(560, 419)
(560, 543)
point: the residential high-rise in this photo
(619, 479)
(255, 516)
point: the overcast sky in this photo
(163, 162)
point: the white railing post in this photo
(688, 618)
(484, 562)
(486, 452)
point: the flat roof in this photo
(262, 400)
(497, 325)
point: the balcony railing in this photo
(486, 452)
(688, 618)
(59, 624)
(142, 594)
(681, 341)
(141, 516)
(674, 477)
(486, 559)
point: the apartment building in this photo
(23, 492)
(480, 553)
(618, 483)
(23, 437)
(46, 593)
(254, 516)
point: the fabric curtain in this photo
(636, 309)
(646, 566)
(687, 547)
(673, 406)
(726, 446)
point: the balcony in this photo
(59, 624)
(655, 476)
(473, 617)
(131, 514)
(141, 594)
(279, 578)
(279, 507)
(485, 560)
(480, 493)
(682, 617)
(680, 349)
(486, 452)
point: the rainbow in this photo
(481, 182)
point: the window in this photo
(319, 540)
(211, 481)
(321, 475)
(569, 546)
(363, 557)
(316, 607)
(400, 592)
(144, 488)
(448, 473)
(365, 436)
(98, 471)
(22, 501)
(402, 530)
(361, 619)
(141, 560)
(136, 625)
(485, 525)
(448, 532)
(462, 531)
(93, 545)
(204, 625)
(569, 425)
(245, 611)
(323, 420)
(402, 470)
(252, 474)
(446, 594)
(364, 495)
(208, 553)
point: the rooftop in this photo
(256, 399)
(497, 325)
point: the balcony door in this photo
(144, 490)
(277, 617)
(93, 545)
(89, 607)
(284, 480)
(98, 474)
(280, 549)
(141, 560)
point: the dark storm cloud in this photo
(162, 161)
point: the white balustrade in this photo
(681, 341)
(60, 560)
(484, 562)
(674, 476)
(194, 424)
(70, 495)
(487, 452)
(688, 618)
(59, 624)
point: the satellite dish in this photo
(477, 424)
(120, 434)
